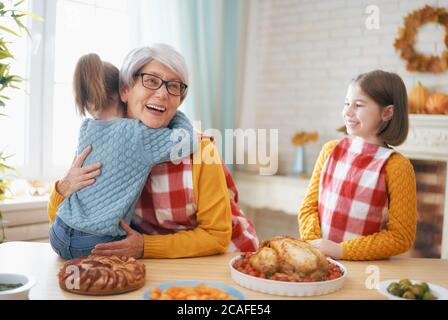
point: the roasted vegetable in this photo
(408, 290)
(425, 286)
(395, 289)
(408, 295)
(417, 290)
(429, 296)
(405, 284)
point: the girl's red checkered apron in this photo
(352, 192)
(167, 205)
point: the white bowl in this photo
(20, 293)
(284, 288)
(440, 292)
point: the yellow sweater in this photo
(213, 232)
(402, 215)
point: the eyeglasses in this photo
(153, 82)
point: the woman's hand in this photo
(131, 246)
(77, 176)
(328, 247)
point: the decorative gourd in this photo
(417, 99)
(437, 103)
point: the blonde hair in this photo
(387, 88)
(95, 82)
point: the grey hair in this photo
(139, 57)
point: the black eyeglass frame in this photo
(183, 86)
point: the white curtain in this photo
(209, 34)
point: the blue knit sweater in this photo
(128, 150)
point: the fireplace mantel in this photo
(427, 138)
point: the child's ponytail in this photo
(95, 83)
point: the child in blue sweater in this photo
(127, 149)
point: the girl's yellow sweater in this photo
(399, 235)
(213, 232)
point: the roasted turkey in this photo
(290, 256)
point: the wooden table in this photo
(39, 260)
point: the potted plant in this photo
(9, 11)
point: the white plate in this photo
(193, 283)
(283, 288)
(440, 292)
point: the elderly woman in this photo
(187, 209)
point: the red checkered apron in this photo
(352, 192)
(167, 205)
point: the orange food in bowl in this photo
(199, 292)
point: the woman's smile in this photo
(155, 109)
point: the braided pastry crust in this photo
(102, 275)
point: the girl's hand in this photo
(328, 248)
(77, 176)
(131, 246)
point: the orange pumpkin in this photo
(417, 99)
(437, 103)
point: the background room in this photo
(257, 64)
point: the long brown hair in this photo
(95, 82)
(387, 88)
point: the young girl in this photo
(361, 201)
(127, 150)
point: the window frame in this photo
(41, 75)
(33, 89)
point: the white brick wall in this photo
(307, 52)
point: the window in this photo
(81, 27)
(41, 129)
(13, 128)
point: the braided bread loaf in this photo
(102, 275)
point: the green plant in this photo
(5, 172)
(9, 11)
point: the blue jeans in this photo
(70, 243)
